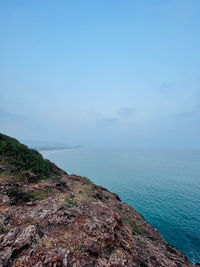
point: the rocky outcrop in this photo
(74, 223)
(49, 218)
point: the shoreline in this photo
(48, 151)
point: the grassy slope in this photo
(19, 156)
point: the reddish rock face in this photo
(68, 221)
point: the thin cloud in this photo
(7, 116)
(107, 122)
(192, 114)
(126, 112)
(166, 87)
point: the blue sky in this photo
(101, 73)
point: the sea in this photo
(163, 185)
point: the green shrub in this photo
(21, 158)
(135, 228)
(4, 229)
(141, 242)
(87, 180)
(69, 201)
(80, 249)
(37, 195)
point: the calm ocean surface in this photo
(164, 186)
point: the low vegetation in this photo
(135, 228)
(4, 228)
(21, 158)
(37, 195)
(87, 180)
(69, 201)
(80, 249)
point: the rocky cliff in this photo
(50, 218)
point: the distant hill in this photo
(42, 145)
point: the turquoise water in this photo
(164, 186)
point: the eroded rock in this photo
(74, 223)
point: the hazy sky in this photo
(101, 72)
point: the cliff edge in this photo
(50, 218)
